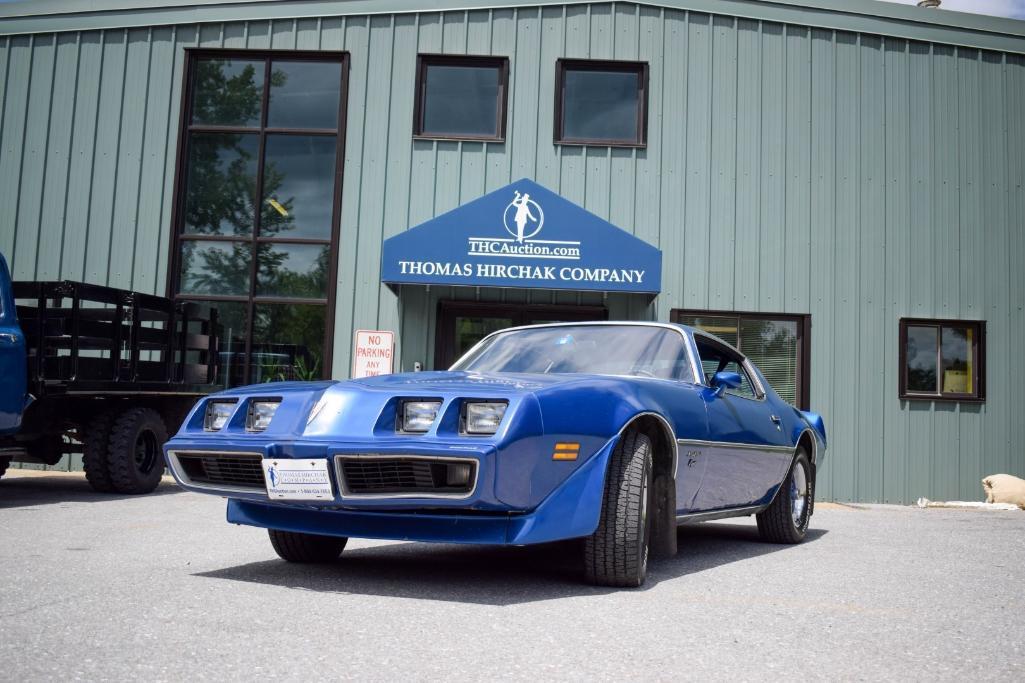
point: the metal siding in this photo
(789, 169)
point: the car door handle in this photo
(776, 419)
(8, 338)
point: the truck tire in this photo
(292, 546)
(135, 456)
(786, 519)
(616, 554)
(95, 440)
(4, 463)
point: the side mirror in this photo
(724, 380)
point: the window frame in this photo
(185, 128)
(978, 350)
(803, 320)
(427, 59)
(626, 66)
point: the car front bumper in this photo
(570, 510)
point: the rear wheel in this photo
(616, 554)
(292, 546)
(135, 455)
(95, 440)
(786, 519)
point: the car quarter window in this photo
(715, 358)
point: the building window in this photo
(257, 206)
(460, 97)
(601, 103)
(942, 359)
(778, 345)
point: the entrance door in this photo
(463, 324)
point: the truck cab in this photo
(14, 386)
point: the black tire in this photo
(616, 554)
(786, 519)
(292, 546)
(135, 456)
(95, 440)
(4, 464)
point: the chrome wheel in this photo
(798, 495)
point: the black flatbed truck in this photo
(99, 371)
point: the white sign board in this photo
(373, 354)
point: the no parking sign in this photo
(373, 353)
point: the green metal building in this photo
(837, 187)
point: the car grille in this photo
(406, 475)
(241, 470)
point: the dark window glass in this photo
(304, 94)
(232, 330)
(216, 268)
(297, 271)
(298, 186)
(227, 92)
(601, 104)
(470, 330)
(942, 359)
(461, 97)
(921, 359)
(221, 183)
(273, 323)
(291, 342)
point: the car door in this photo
(748, 451)
(12, 357)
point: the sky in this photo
(997, 8)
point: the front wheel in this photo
(292, 546)
(786, 519)
(616, 554)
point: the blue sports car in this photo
(612, 432)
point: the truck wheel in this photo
(135, 455)
(4, 462)
(94, 452)
(786, 519)
(616, 554)
(306, 548)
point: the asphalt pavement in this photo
(160, 587)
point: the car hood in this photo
(447, 381)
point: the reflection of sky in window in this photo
(954, 341)
(306, 165)
(600, 105)
(461, 100)
(921, 358)
(307, 96)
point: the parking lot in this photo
(161, 588)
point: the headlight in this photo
(484, 418)
(217, 414)
(260, 414)
(418, 416)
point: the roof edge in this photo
(861, 16)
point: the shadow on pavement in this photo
(495, 575)
(40, 489)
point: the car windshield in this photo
(639, 350)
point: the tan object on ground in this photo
(1004, 488)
